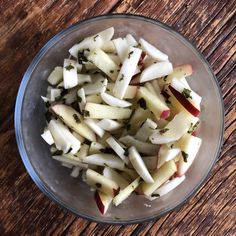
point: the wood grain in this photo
(25, 26)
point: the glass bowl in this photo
(54, 180)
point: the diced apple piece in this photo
(125, 193)
(118, 149)
(189, 146)
(159, 176)
(126, 72)
(79, 137)
(47, 136)
(98, 87)
(70, 97)
(81, 98)
(94, 98)
(153, 103)
(121, 46)
(146, 130)
(55, 93)
(129, 94)
(157, 138)
(145, 148)
(98, 111)
(101, 183)
(108, 46)
(139, 165)
(56, 76)
(184, 82)
(116, 177)
(83, 152)
(104, 63)
(84, 78)
(157, 90)
(169, 186)
(155, 71)
(103, 201)
(107, 34)
(151, 89)
(166, 154)
(113, 101)
(109, 125)
(131, 40)
(92, 124)
(150, 162)
(109, 160)
(115, 58)
(73, 119)
(70, 77)
(70, 161)
(153, 51)
(175, 129)
(95, 148)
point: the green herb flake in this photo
(108, 90)
(57, 153)
(142, 103)
(155, 195)
(86, 113)
(165, 78)
(105, 165)
(47, 104)
(186, 93)
(193, 127)
(126, 153)
(111, 71)
(162, 131)
(81, 57)
(69, 67)
(77, 120)
(129, 55)
(48, 116)
(94, 38)
(172, 145)
(168, 102)
(117, 218)
(87, 49)
(185, 156)
(98, 185)
(122, 77)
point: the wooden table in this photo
(25, 26)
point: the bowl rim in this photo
(19, 137)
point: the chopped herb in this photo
(165, 78)
(105, 165)
(47, 104)
(185, 156)
(79, 99)
(77, 120)
(128, 127)
(117, 218)
(95, 53)
(98, 185)
(193, 127)
(172, 145)
(126, 153)
(86, 113)
(142, 124)
(57, 153)
(108, 90)
(130, 54)
(155, 195)
(168, 102)
(162, 131)
(94, 38)
(186, 93)
(118, 70)
(70, 149)
(69, 67)
(122, 77)
(112, 71)
(140, 181)
(48, 116)
(142, 103)
(87, 49)
(81, 57)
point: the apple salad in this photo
(122, 118)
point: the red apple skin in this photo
(165, 114)
(184, 102)
(100, 205)
(143, 54)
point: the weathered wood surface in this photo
(26, 25)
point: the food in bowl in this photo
(123, 117)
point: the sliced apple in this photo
(47, 136)
(83, 152)
(107, 34)
(139, 165)
(81, 98)
(73, 119)
(166, 154)
(145, 148)
(131, 40)
(70, 77)
(150, 162)
(70, 97)
(159, 176)
(126, 72)
(95, 148)
(131, 173)
(153, 103)
(70, 161)
(113, 101)
(84, 78)
(108, 47)
(104, 63)
(156, 70)
(94, 98)
(129, 94)
(121, 46)
(126, 192)
(104, 159)
(101, 183)
(109, 125)
(98, 87)
(98, 111)
(103, 201)
(189, 146)
(56, 76)
(116, 177)
(92, 124)
(118, 149)
(169, 186)
(153, 51)
(115, 58)
(146, 130)
(158, 90)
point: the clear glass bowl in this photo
(54, 180)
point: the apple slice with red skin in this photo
(184, 102)
(103, 201)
